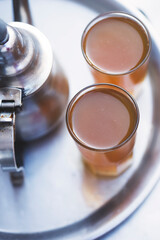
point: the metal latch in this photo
(10, 103)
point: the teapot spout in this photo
(21, 11)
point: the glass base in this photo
(112, 169)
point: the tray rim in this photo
(141, 197)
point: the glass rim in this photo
(91, 88)
(109, 15)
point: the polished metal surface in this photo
(27, 63)
(60, 198)
(16, 55)
(10, 103)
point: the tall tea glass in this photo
(102, 119)
(117, 47)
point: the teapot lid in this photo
(25, 57)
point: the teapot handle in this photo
(21, 11)
(10, 103)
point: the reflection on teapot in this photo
(33, 88)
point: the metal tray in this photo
(60, 198)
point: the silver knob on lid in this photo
(3, 32)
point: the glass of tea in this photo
(117, 46)
(103, 119)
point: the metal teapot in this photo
(33, 88)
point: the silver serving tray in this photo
(60, 198)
